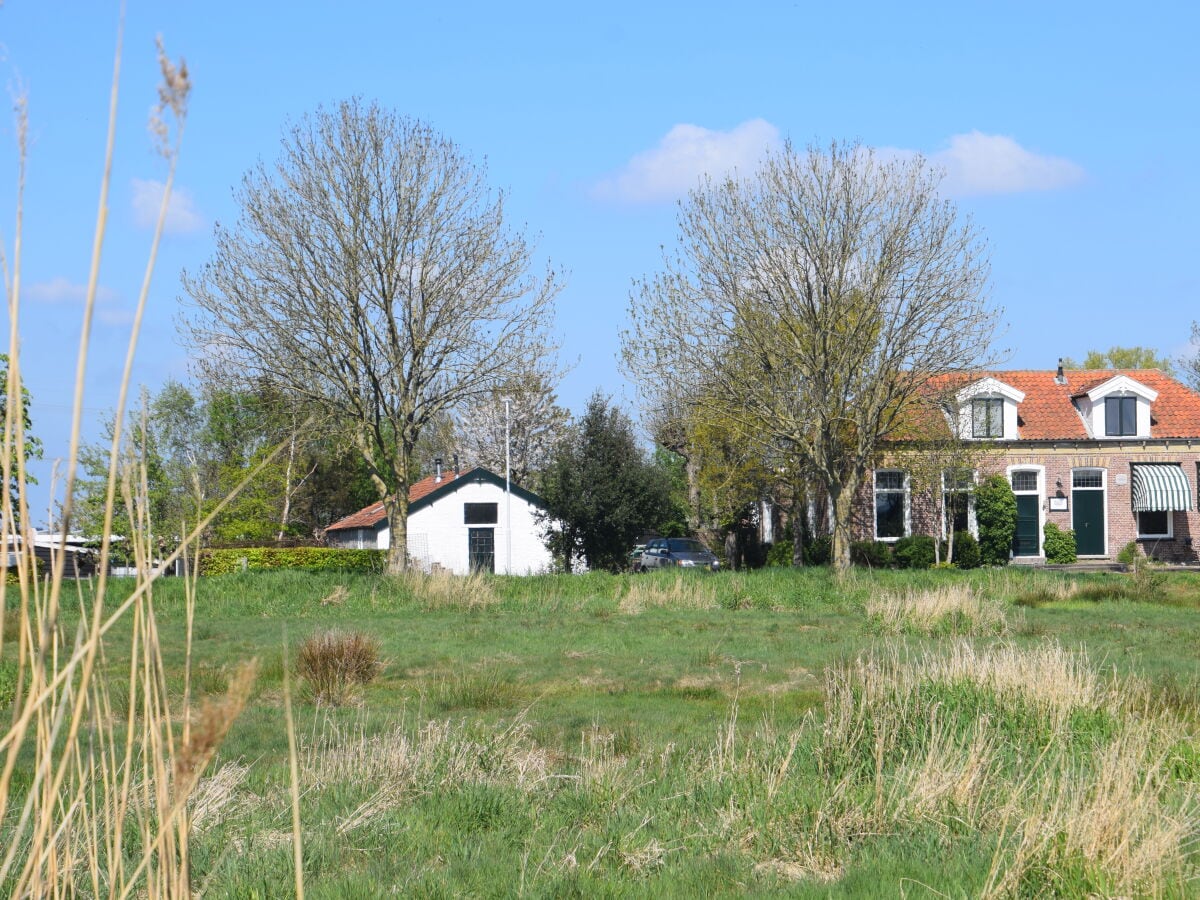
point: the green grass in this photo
(709, 740)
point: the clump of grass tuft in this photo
(691, 592)
(334, 664)
(955, 608)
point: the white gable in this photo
(984, 389)
(1094, 409)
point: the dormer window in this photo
(987, 417)
(1118, 407)
(1120, 416)
(986, 410)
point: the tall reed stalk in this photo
(94, 790)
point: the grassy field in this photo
(994, 733)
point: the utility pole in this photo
(507, 489)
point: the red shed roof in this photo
(372, 515)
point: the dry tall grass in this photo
(443, 590)
(99, 777)
(955, 608)
(685, 592)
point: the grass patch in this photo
(334, 665)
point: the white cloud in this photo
(686, 153)
(978, 163)
(182, 215)
(60, 292)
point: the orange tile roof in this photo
(372, 515)
(1048, 412)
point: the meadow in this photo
(782, 732)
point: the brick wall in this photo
(1057, 463)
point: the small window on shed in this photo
(480, 513)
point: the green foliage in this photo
(872, 554)
(311, 559)
(966, 550)
(1129, 554)
(818, 550)
(601, 493)
(1059, 545)
(996, 514)
(32, 448)
(1148, 580)
(915, 552)
(1122, 358)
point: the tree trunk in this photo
(397, 510)
(799, 522)
(841, 503)
(692, 471)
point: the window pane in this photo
(889, 514)
(1024, 481)
(1154, 523)
(480, 514)
(1087, 478)
(1120, 416)
(958, 479)
(889, 481)
(987, 418)
(957, 507)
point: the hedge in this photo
(311, 559)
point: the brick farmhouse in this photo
(1112, 455)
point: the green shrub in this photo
(818, 550)
(915, 552)
(1059, 545)
(996, 513)
(1129, 554)
(966, 550)
(872, 554)
(311, 559)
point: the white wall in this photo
(438, 534)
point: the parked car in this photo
(635, 557)
(688, 553)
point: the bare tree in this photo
(371, 273)
(1189, 365)
(811, 304)
(528, 431)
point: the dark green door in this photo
(1025, 541)
(1088, 521)
(481, 549)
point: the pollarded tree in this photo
(371, 273)
(810, 305)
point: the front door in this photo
(481, 549)
(1087, 516)
(1025, 540)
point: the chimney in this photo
(1059, 377)
(437, 464)
(455, 465)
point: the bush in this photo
(311, 559)
(334, 664)
(872, 554)
(1059, 545)
(818, 550)
(1129, 554)
(915, 552)
(966, 550)
(996, 513)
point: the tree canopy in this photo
(372, 275)
(808, 307)
(1122, 358)
(601, 491)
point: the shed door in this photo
(481, 549)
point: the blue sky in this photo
(1068, 131)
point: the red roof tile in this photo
(372, 515)
(1048, 412)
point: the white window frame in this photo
(1144, 536)
(906, 492)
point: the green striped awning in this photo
(1160, 486)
